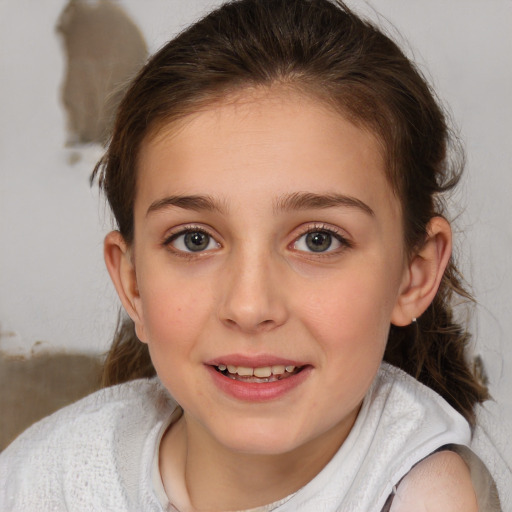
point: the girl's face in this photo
(268, 262)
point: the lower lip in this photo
(258, 392)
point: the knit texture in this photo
(94, 455)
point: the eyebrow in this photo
(295, 201)
(311, 201)
(194, 202)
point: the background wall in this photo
(54, 292)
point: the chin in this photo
(259, 438)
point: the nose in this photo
(254, 294)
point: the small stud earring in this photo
(413, 320)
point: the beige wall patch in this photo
(104, 49)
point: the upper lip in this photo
(256, 361)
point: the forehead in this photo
(268, 141)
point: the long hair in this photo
(322, 49)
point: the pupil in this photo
(318, 241)
(196, 241)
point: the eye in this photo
(320, 241)
(192, 240)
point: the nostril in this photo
(264, 325)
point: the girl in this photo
(277, 175)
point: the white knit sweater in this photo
(99, 454)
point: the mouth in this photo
(260, 374)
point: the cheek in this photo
(173, 322)
(173, 312)
(351, 311)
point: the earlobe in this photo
(424, 273)
(120, 266)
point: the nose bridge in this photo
(252, 299)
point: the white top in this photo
(101, 453)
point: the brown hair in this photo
(323, 49)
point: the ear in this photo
(120, 266)
(424, 273)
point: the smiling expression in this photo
(269, 258)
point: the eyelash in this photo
(317, 228)
(167, 242)
(333, 232)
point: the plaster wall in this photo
(54, 292)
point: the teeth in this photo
(243, 371)
(260, 372)
(265, 371)
(278, 370)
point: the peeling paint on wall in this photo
(104, 49)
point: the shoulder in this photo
(100, 408)
(107, 411)
(86, 442)
(439, 483)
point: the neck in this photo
(218, 478)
